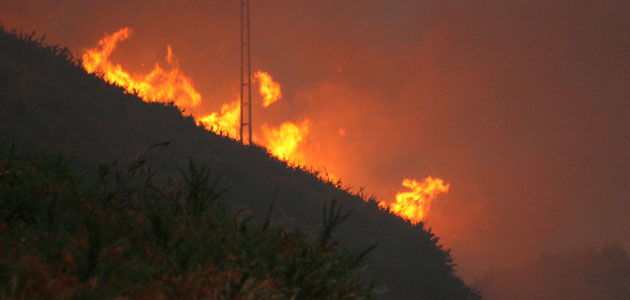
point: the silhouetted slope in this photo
(130, 237)
(50, 104)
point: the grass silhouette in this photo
(63, 238)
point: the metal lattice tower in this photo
(246, 75)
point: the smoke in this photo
(520, 105)
(579, 275)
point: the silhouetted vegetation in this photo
(60, 238)
(50, 105)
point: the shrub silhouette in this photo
(71, 239)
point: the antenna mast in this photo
(246, 74)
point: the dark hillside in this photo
(130, 237)
(49, 104)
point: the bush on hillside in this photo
(130, 237)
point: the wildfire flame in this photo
(415, 204)
(269, 89)
(162, 85)
(159, 85)
(225, 123)
(284, 142)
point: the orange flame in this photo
(225, 123)
(159, 85)
(415, 204)
(269, 89)
(283, 142)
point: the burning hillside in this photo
(52, 105)
(286, 141)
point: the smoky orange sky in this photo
(522, 106)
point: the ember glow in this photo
(286, 142)
(269, 89)
(414, 205)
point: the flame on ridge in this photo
(171, 85)
(283, 142)
(415, 204)
(159, 85)
(269, 89)
(227, 122)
